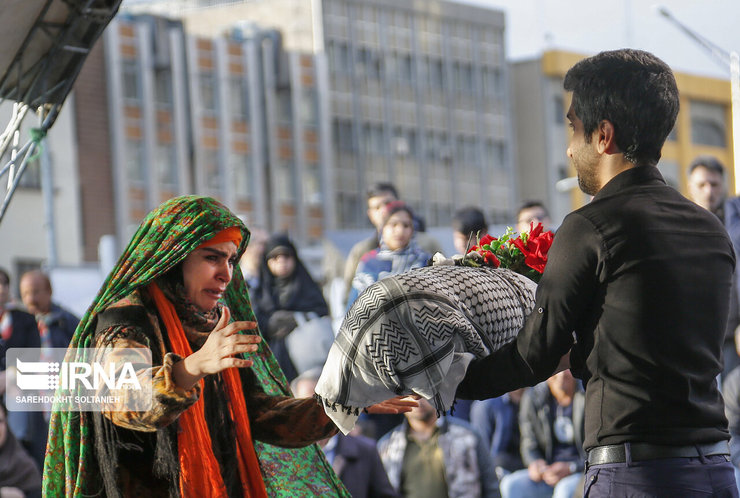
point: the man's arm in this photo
(564, 297)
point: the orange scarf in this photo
(199, 471)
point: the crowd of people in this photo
(612, 387)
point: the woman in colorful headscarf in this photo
(211, 430)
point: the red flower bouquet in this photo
(525, 253)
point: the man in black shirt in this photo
(640, 277)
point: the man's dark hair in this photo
(4, 276)
(381, 188)
(632, 89)
(709, 162)
(469, 220)
(530, 205)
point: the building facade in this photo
(417, 95)
(234, 117)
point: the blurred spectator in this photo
(708, 188)
(497, 421)
(285, 289)
(468, 226)
(551, 424)
(56, 324)
(252, 257)
(430, 457)
(354, 458)
(378, 195)
(18, 330)
(398, 251)
(19, 477)
(532, 212)
(706, 184)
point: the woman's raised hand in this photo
(218, 352)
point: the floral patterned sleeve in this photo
(284, 420)
(134, 409)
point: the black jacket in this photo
(358, 465)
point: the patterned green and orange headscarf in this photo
(165, 237)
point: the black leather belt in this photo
(617, 453)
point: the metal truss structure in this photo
(46, 45)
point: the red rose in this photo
(535, 231)
(487, 239)
(491, 259)
(536, 248)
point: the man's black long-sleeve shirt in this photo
(642, 276)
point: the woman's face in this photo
(281, 265)
(398, 230)
(206, 273)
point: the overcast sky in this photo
(586, 26)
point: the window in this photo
(492, 82)
(135, 167)
(285, 185)
(343, 58)
(163, 87)
(466, 79)
(338, 55)
(238, 98)
(401, 146)
(708, 132)
(309, 107)
(436, 74)
(211, 169)
(370, 63)
(372, 136)
(405, 68)
(342, 134)
(312, 192)
(131, 87)
(708, 124)
(558, 109)
(166, 164)
(243, 175)
(208, 92)
(284, 107)
(423, 68)
(391, 67)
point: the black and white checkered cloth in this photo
(416, 332)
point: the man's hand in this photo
(553, 473)
(536, 469)
(218, 352)
(399, 404)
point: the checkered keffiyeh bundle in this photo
(416, 332)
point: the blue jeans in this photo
(519, 485)
(710, 476)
